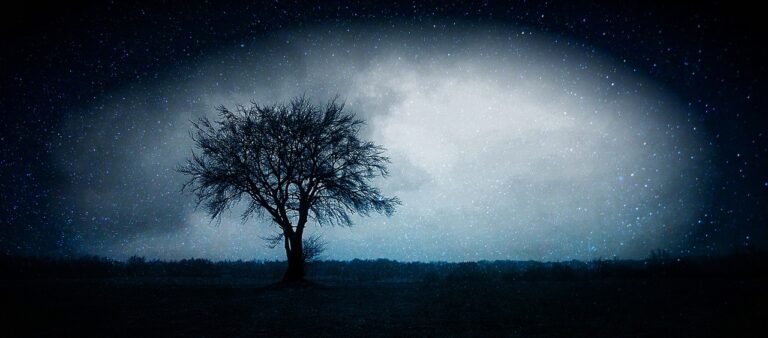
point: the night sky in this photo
(517, 130)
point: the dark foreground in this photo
(240, 307)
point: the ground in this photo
(243, 307)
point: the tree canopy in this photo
(291, 163)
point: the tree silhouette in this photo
(289, 163)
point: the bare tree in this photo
(289, 163)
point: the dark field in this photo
(227, 307)
(657, 297)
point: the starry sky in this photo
(547, 131)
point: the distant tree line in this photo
(656, 266)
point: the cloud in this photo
(503, 147)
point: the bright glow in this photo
(504, 146)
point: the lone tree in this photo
(289, 163)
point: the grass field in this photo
(226, 307)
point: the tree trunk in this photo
(295, 255)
